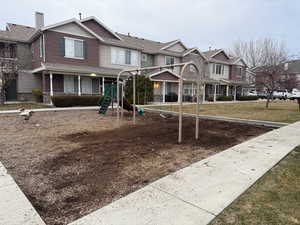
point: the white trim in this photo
(173, 43)
(166, 70)
(218, 52)
(195, 49)
(240, 59)
(102, 24)
(166, 59)
(44, 46)
(73, 20)
(74, 57)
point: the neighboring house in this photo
(228, 75)
(291, 78)
(84, 57)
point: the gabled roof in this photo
(101, 24)
(163, 71)
(172, 43)
(16, 32)
(191, 50)
(73, 20)
(213, 53)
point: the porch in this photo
(74, 84)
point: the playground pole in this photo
(133, 83)
(197, 117)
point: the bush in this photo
(38, 94)
(224, 98)
(247, 98)
(74, 100)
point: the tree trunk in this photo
(269, 97)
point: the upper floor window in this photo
(41, 46)
(170, 60)
(74, 48)
(144, 57)
(192, 69)
(239, 71)
(122, 56)
(218, 69)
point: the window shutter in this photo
(62, 47)
(85, 49)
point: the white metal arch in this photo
(182, 66)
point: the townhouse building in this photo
(84, 57)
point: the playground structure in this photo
(137, 72)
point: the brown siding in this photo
(53, 52)
(58, 83)
(221, 56)
(98, 29)
(233, 75)
(36, 59)
(164, 76)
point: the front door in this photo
(11, 91)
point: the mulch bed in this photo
(71, 163)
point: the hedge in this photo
(75, 100)
(247, 98)
(224, 98)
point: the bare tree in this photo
(8, 68)
(266, 57)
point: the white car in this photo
(295, 95)
(281, 94)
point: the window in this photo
(218, 69)
(41, 46)
(170, 60)
(144, 57)
(127, 57)
(192, 69)
(120, 56)
(74, 48)
(239, 71)
(70, 84)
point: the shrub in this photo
(38, 94)
(224, 98)
(74, 100)
(247, 98)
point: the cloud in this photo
(215, 23)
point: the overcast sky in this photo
(201, 23)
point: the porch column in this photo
(179, 93)
(164, 91)
(103, 88)
(51, 87)
(215, 93)
(203, 97)
(51, 84)
(234, 93)
(227, 90)
(79, 86)
(192, 89)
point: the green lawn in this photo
(24, 105)
(279, 111)
(273, 200)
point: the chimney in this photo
(39, 20)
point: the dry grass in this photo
(23, 105)
(274, 199)
(279, 111)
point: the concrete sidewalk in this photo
(196, 194)
(15, 209)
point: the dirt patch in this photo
(72, 163)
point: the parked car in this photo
(281, 94)
(252, 93)
(262, 95)
(295, 95)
